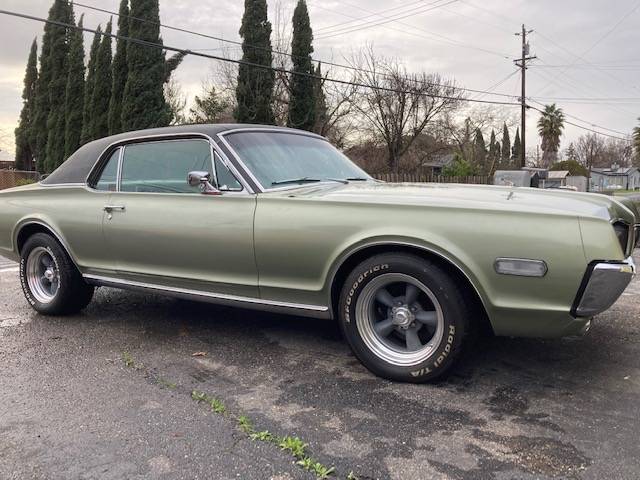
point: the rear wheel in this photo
(50, 281)
(404, 317)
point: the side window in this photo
(108, 181)
(227, 182)
(162, 167)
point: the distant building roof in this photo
(440, 160)
(614, 171)
(557, 174)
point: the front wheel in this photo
(404, 317)
(50, 281)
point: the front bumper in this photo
(602, 285)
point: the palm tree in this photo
(550, 126)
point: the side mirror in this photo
(202, 180)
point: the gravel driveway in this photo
(108, 394)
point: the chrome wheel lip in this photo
(365, 321)
(43, 275)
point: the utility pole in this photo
(522, 63)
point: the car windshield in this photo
(279, 159)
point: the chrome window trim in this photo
(201, 294)
(170, 136)
(248, 171)
(123, 153)
(119, 169)
(61, 185)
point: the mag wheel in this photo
(43, 275)
(404, 317)
(50, 281)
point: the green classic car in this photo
(277, 219)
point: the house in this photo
(615, 178)
(437, 162)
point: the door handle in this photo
(111, 208)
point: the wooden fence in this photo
(13, 178)
(421, 178)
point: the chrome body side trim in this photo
(218, 298)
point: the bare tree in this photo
(398, 105)
(176, 101)
(590, 149)
(335, 105)
(619, 151)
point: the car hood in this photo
(482, 197)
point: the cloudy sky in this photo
(588, 61)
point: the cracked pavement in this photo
(70, 408)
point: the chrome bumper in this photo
(602, 286)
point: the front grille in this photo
(622, 232)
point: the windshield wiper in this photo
(357, 179)
(296, 180)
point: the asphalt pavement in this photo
(108, 394)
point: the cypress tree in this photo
(102, 88)
(506, 145)
(52, 35)
(143, 102)
(255, 85)
(74, 95)
(119, 70)
(320, 102)
(24, 135)
(89, 84)
(494, 153)
(58, 66)
(515, 151)
(301, 98)
(480, 150)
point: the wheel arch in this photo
(358, 255)
(28, 228)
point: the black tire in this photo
(72, 292)
(433, 358)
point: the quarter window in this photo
(162, 167)
(225, 179)
(108, 181)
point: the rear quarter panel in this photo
(73, 212)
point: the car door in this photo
(162, 231)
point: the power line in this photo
(425, 33)
(377, 23)
(585, 121)
(500, 82)
(241, 62)
(569, 81)
(240, 44)
(375, 14)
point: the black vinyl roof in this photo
(77, 167)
